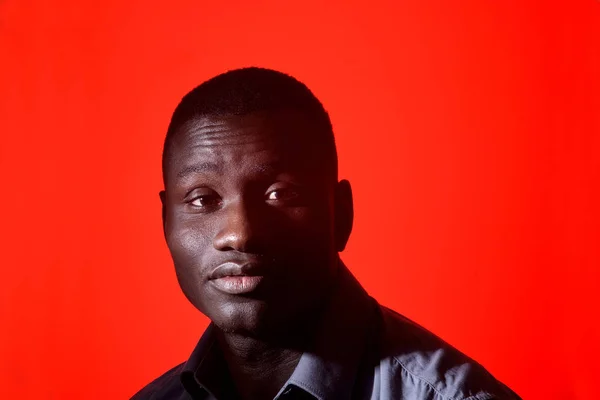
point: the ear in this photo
(163, 201)
(344, 214)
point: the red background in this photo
(470, 131)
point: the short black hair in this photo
(248, 90)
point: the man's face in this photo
(249, 219)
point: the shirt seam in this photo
(474, 397)
(424, 380)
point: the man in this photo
(254, 217)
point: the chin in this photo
(242, 318)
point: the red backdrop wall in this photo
(470, 132)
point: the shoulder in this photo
(420, 361)
(166, 386)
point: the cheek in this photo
(306, 242)
(187, 244)
(309, 227)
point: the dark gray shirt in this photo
(362, 351)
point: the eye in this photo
(283, 194)
(204, 200)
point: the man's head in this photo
(253, 213)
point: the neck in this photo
(258, 368)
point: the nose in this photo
(240, 230)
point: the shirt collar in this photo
(326, 371)
(329, 370)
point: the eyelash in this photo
(199, 198)
(294, 195)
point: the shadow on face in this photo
(254, 219)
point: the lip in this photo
(239, 284)
(233, 278)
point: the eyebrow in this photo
(199, 168)
(212, 167)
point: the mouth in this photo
(234, 278)
(238, 284)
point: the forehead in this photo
(223, 132)
(253, 141)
